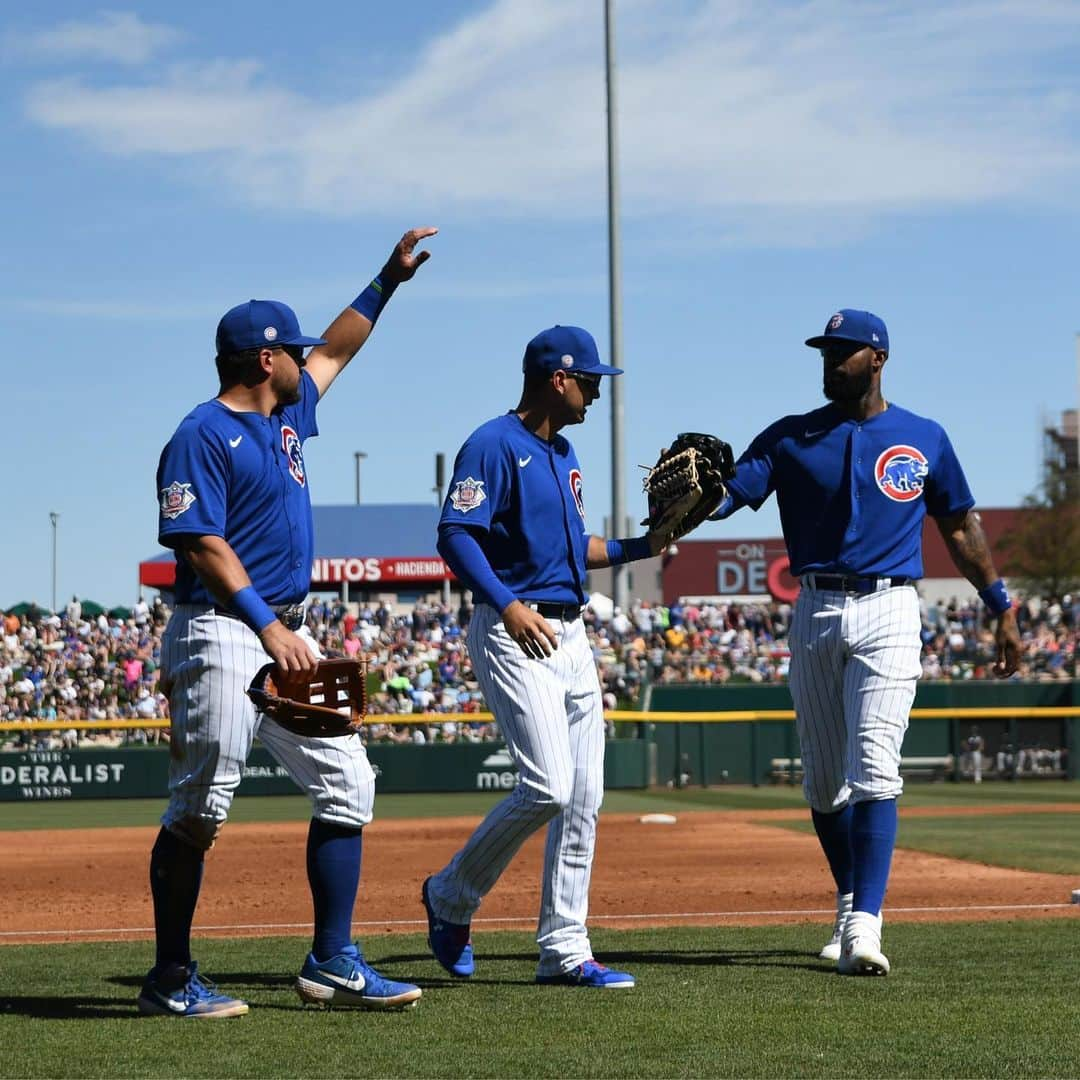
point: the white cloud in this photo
(759, 119)
(118, 36)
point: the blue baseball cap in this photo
(565, 348)
(260, 324)
(850, 325)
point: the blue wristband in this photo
(630, 550)
(996, 597)
(374, 298)
(252, 609)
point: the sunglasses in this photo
(296, 352)
(591, 381)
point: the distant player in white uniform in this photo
(975, 746)
(854, 481)
(513, 530)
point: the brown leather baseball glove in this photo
(310, 703)
(687, 483)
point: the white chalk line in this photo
(531, 919)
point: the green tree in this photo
(1041, 553)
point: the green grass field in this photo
(971, 1000)
(114, 812)
(964, 999)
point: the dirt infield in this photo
(706, 869)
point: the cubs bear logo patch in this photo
(901, 472)
(293, 449)
(467, 495)
(575, 488)
(175, 499)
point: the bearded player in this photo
(854, 481)
(235, 505)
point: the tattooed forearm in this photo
(966, 541)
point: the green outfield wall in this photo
(143, 773)
(743, 752)
(677, 752)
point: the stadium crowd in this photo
(71, 666)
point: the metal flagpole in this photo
(620, 585)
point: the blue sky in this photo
(777, 161)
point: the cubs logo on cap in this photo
(259, 323)
(848, 324)
(565, 348)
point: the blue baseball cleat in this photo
(451, 943)
(179, 990)
(590, 974)
(346, 979)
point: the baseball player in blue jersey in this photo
(235, 505)
(854, 481)
(513, 530)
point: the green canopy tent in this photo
(119, 613)
(24, 607)
(91, 609)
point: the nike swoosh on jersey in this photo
(815, 434)
(355, 983)
(234, 443)
(523, 461)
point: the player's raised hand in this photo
(289, 650)
(530, 630)
(1008, 645)
(405, 260)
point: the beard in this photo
(287, 394)
(847, 387)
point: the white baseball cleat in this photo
(860, 949)
(843, 908)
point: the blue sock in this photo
(176, 871)
(834, 835)
(873, 837)
(333, 868)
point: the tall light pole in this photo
(54, 517)
(359, 456)
(620, 588)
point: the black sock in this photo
(176, 872)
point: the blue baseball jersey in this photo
(241, 476)
(853, 493)
(521, 497)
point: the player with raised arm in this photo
(235, 505)
(513, 530)
(854, 481)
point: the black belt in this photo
(566, 612)
(292, 615)
(851, 583)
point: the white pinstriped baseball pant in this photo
(210, 660)
(550, 713)
(854, 667)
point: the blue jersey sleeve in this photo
(466, 558)
(753, 481)
(480, 486)
(192, 483)
(947, 490)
